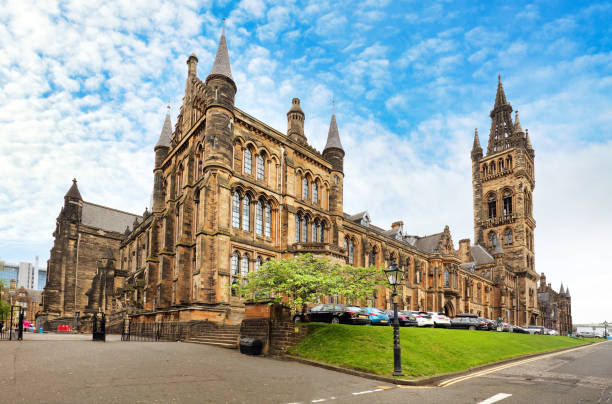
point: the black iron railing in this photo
(154, 331)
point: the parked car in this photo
(466, 315)
(423, 319)
(440, 320)
(335, 314)
(552, 332)
(405, 318)
(468, 323)
(491, 325)
(518, 329)
(535, 329)
(377, 316)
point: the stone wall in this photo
(276, 336)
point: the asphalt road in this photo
(73, 369)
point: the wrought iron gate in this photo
(99, 327)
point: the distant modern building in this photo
(8, 272)
(25, 274)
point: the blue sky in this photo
(83, 89)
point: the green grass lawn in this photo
(425, 351)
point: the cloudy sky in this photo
(83, 89)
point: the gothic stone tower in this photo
(503, 181)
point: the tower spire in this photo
(476, 148)
(221, 65)
(166, 133)
(517, 124)
(502, 128)
(73, 192)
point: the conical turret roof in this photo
(567, 293)
(333, 136)
(517, 124)
(166, 133)
(500, 96)
(561, 291)
(73, 192)
(498, 247)
(221, 65)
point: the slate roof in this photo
(73, 192)
(481, 255)
(166, 133)
(428, 243)
(35, 295)
(333, 137)
(104, 218)
(221, 65)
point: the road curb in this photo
(432, 381)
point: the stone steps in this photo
(225, 337)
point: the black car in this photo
(518, 329)
(335, 314)
(469, 323)
(405, 318)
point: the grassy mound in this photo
(425, 352)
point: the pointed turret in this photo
(221, 65)
(166, 133)
(295, 122)
(517, 124)
(73, 192)
(561, 291)
(333, 151)
(567, 293)
(501, 122)
(219, 92)
(161, 152)
(498, 248)
(476, 148)
(192, 63)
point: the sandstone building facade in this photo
(230, 193)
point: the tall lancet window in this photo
(246, 213)
(305, 189)
(260, 167)
(268, 227)
(315, 192)
(236, 210)
(248, 161)
(259, 218)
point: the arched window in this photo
(509, 162)
(305, 189)
(315, 192)
(246, 213)
(322, 233)
(346, 244)
(501, 165)
(298, 220)
(373, 256)
(235, 263)
(484, 170)
(248, 161)
(351, 251)
(304, 238)
(492, 168)
(268, 227)
(446, 278)
(492, 239)
(179, 180)
(507, 203)
(258, 263)
(244, 265)
(508, 237)
(259, 218)
(236, 210)
(492, 205)
(235, 273)
(260, 167)
(315, 231)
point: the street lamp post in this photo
(395, 276)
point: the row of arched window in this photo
(241, 266)
(349, 246)
(501, 165)
(506, 204)
(308, 230)
(508, 237)
(241, 214)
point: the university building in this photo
(231, 192)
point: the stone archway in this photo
(533, 320)
(449, 309)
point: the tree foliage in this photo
(4, 306)
(304, 279)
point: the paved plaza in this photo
(55, 368)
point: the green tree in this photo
(302, 280)
(4, 306)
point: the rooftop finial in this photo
(499, 78)
(74, 181)
(168, 107)
(223, 27)
(333, 104)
